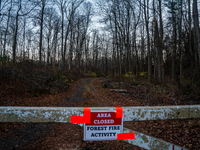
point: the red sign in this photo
(103, 126)
(104, 118)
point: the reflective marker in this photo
(119, 112)
(125, 136)
(86, 118)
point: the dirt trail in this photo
(78, 92)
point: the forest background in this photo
(47, 43)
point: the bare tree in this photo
(62, 7)
(84, 21)
(190, 30)
(162, 72)
(180, 47)
(43, 4)
(16, 30)
(70, 15)
(86, 52)
(196, 26)
(146, 14)
(6, 32)
(49, 32)
(55, 39)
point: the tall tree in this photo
(190, 31)
(49, 32)
(180, 47)
(162, 73)
(56, 25)
(6, 32)
(43, 4)
(146, 14)
(70, 15)
(16, 31)
(196, 26)
(62, 6)
(174, 40)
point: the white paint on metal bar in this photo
(63, 114)
(38, 114)
(161, 112)
(151, 143)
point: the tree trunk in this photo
(161, 41)
(190, 33)
(15, 33)
(62, 36)
(114, 55)
(54, 43)
(96, 52)
(5, 36)
(86, 53)
(180, 43)
(41, 31)
(174, 43)
(154, 43)
(146, 13)
(158, 50)
(71, 49)
(196, 27)
(24, 40)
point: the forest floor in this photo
(91, 92)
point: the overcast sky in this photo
(95, 19)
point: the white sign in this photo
(103, 126)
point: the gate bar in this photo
(63, 114)
(149, 142)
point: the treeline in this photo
(160, 37)
(50, 32)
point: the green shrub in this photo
(129, 75)
(93, 74)
(143, 74)
(62, 78)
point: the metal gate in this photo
(139, 113)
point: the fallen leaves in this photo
(179, 132)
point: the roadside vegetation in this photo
(28, 79)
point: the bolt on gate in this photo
(141, 113)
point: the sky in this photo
(95, 19)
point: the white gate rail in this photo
(149, 142)
(63, 114)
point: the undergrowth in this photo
(29, 79)
(187, 91)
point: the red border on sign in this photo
(86, 118)
(98, 120)
(119, 112)
(125, 136)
